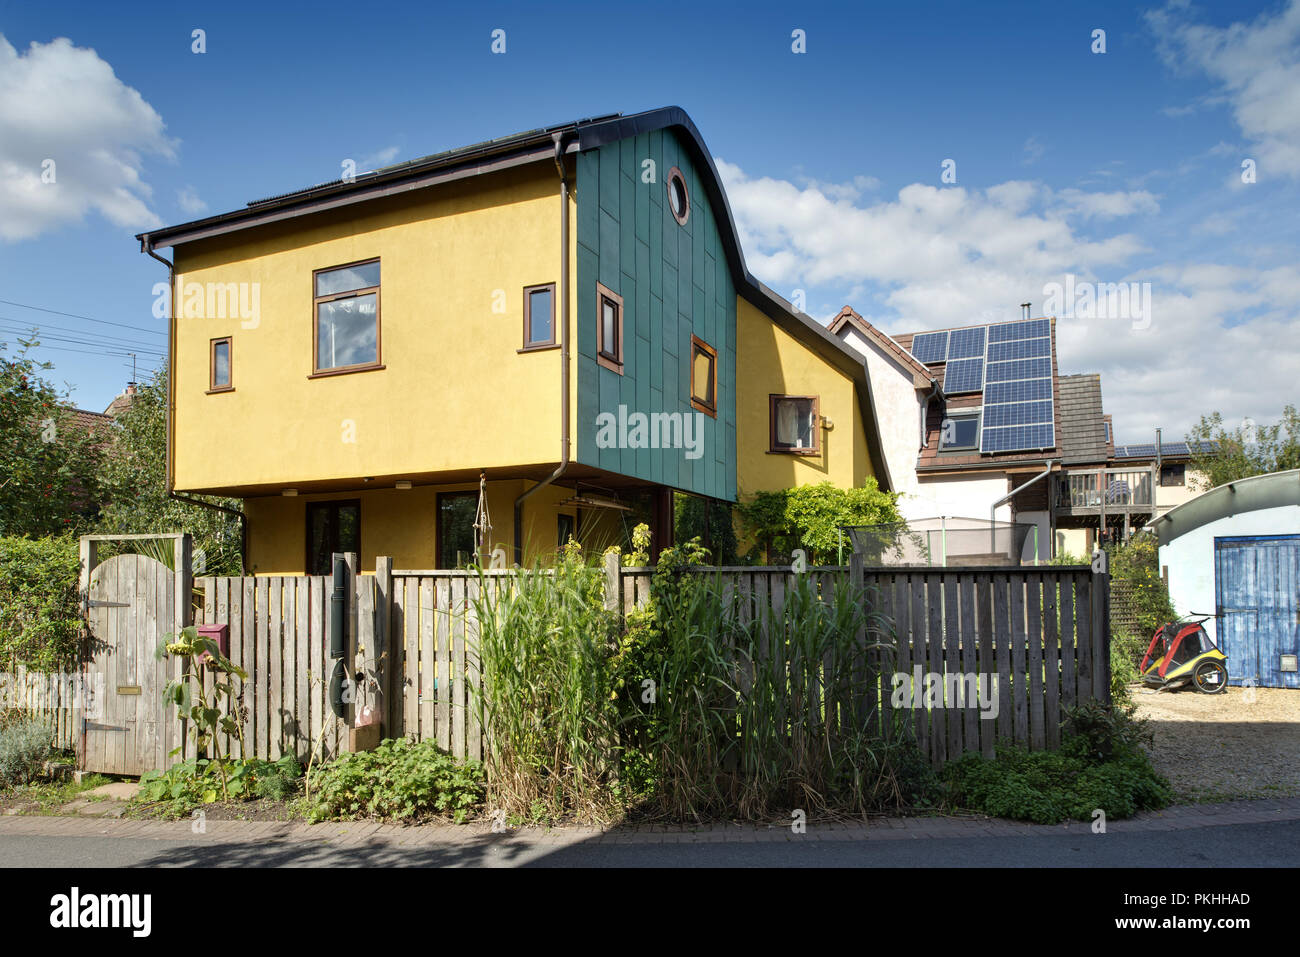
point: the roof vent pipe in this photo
(1024, 310)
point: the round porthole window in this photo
(679, 201)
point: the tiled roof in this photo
(1083, 427)
(921, 374)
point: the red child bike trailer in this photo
(1182, 652)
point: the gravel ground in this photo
(1226, 746)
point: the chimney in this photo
(1024, 310)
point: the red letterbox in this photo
(218, 633)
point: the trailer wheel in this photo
(1210, 677)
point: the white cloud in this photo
(190, 202)
(1257, 67)
(932, 257)
(378, 159)
(63, 111)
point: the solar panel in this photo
(966, 343)
(964, 375)
(930, 346)
(1019, 349)
(1024, 329)
(1022, 390)
(1017, 413)
(1017, 438)
(1019, 369)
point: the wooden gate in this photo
(131, 604)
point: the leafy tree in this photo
(48, 464)
(1224, 455)
(40, 609)
(135, 483)
(811, 516)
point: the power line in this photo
(40, 337)
(73, 315)
(24, 325)
(89, 352)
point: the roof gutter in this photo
(168, 406)
(559, 139)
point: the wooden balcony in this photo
(1107, 492)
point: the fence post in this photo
(613, 594)
(1100, 637)
(383, 640)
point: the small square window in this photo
(539, 316)
(794, 424)
(609, 328)
(959, 432)
(219, 379)
(1172, 476)
(704, 377)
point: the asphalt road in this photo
(1229, 845)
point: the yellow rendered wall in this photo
(770, 360)
(454, 393)
(403, 523)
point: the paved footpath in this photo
(1270, 827)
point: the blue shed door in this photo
(1257, 589)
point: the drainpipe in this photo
(925, 415)
(559, 140)
(1008, 497)
(147, 248)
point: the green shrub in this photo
(25, 746)
(40, 611)
(1101, 765)
(190, 784)
(398, 781)
(811, 516)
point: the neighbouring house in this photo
(562, 318)
(980, 424)
(1234, 552)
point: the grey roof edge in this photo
(1251, 494)
(536, 146)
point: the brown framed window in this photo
(679, 200)
(539, 316)
(609, 328)
(331, 527)
(456, 536)
(794, 423)
(219, 368)
(704, 377)
(345, 318)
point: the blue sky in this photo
(1122, 166)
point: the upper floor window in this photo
(609, 328)
(959, 431)
(704, 377)
(346, 321)
(679, 200)
(219, 367)
(793, 423)
(1173, 475)
(539, 316)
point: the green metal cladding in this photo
(675, 283)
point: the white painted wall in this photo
(1190, 557)
(963, 496)
(899, 408)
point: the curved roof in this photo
(540, 145)
(1274, 490)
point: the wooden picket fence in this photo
(1039, 634)
(49, 696)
